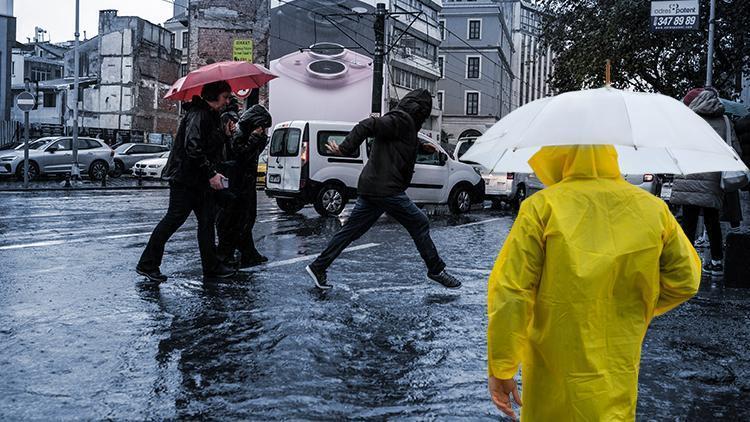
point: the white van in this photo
(301, 171)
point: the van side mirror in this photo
(443, 158)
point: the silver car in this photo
(126, 155)
(54, 155)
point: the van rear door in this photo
(284, 159)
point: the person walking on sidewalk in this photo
(191, 170)
(588, 263)
(236, 220)
(702, 191)
(382, 185)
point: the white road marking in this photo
(305, 258)
(478, 222)
(60, 242)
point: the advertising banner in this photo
(675, 15)
(322, 54)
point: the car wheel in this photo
(520, 196)
(118, 170)
(459, 201)
(33, 170)
(331, 200)
(98, 170)
(289, 206)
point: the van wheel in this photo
(459, 201)
(497, 204)
(289, 206)
(331, 200)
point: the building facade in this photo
(134, 65)
(7, 41)
(413, 62)
(532, 62)
(475, 62)
(178, 26)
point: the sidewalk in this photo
(58, 184)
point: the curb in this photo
(97, 188)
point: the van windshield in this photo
(285, 142)
(463, 148)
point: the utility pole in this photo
(377, 76)
(74, 171)
(710, 64)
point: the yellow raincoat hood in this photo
(554, 164)
(589, 262)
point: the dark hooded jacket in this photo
(390, 166)
(198, 146)
(246, 147)
(704, 189)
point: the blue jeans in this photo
(366, 212)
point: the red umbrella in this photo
(242, 76)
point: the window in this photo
(285, 142)
(441, 66)
(475, 29)
(338, 137)
(442, 29)
(62, 144)
(440, 95)
(185, 39)
(87, 144)
(472, 103)
(155, 149)
(429, 158)
(138, 149)
(50, 99)
(171, 40)
(183, 69)
(473, 67)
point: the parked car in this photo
(151, 167)
(54, 155)
(498, 187)
(126, 155)
(301, 171)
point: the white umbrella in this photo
(652, 133)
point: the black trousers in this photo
(366, 212)
(235, 224)
(690, 214)
(182, 201)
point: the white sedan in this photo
(151, 167)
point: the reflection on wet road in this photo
(81, 336)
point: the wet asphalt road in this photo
(82, 337)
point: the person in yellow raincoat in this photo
(589, 262)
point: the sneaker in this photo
(701, 242)
(152, 275)
(714, 268)
(221, 271)
(319, 278)
(252, 261)
(445, 279)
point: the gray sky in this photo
(58, 16)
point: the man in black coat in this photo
(191, 170)
(237, 219)
(383, 183)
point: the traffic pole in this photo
(711, 27)
(74, 171)
(377, 75)
(25, 149)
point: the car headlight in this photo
(153, 166)
(9, 158)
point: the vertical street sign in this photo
(242, 51)
(25, 101)
(675, 15)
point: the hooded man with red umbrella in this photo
(193, 179)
